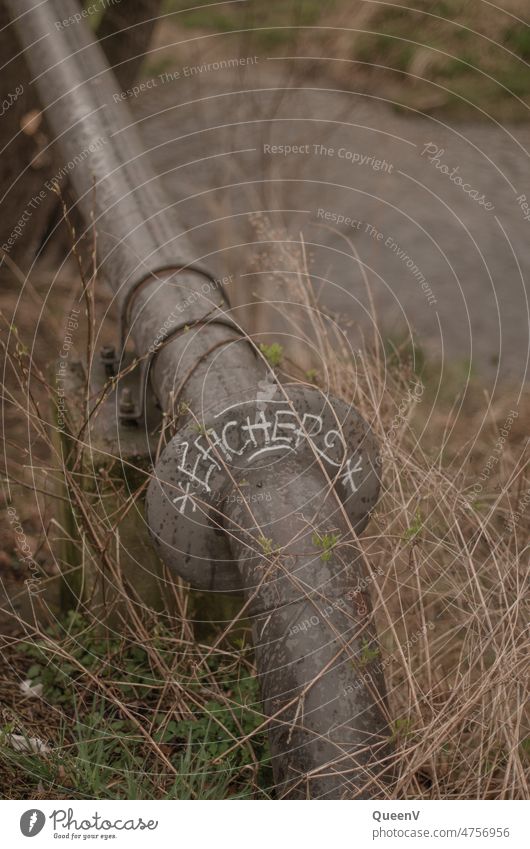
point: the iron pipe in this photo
(238, 429)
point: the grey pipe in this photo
(240, 436)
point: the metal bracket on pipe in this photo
(134, 286)
(205, 315)
(147, 360)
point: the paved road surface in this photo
(446, 252)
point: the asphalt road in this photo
(432, 214)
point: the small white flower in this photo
(27, 744)
(27, 688)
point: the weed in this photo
(272, 353)
(401, 729)
(327, 543)
(200, 428)
(415, 528)
(369, 653)
(267, 545)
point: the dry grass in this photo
(448, 549)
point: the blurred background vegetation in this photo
(456, 57)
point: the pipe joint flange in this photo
(208, 462)
(196, 294)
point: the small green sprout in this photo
(525, 746)
(327, 543)
(267, 545)
(401, 728)
(368, 653)
(272, 353)
(415, 528)
(312, 375)
(200, 428)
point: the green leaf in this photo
(272, 353)
(413, 531)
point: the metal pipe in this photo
(241, 435)
(310, 630)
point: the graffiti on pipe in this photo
(239, 436)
